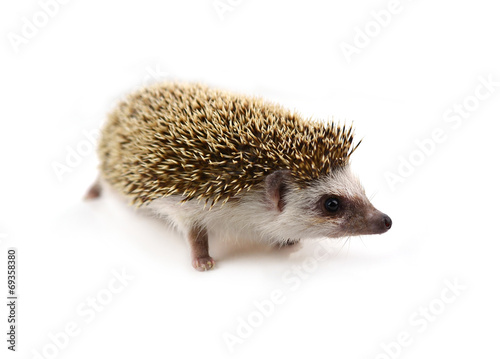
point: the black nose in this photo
(387, 222)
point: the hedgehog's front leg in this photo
(198, 243)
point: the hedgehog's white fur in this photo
(250, 217)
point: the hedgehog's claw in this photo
(203, 264)
(290, 242)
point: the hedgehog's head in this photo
(332, 206)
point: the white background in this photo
(426, 60)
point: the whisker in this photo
(343, 245)
(361, 238)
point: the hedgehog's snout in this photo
(387, 222)
(382, 223)
(378, 223)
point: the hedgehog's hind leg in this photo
(198, 243)
(94, 191)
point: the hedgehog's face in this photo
(334, 206)
(342, 209)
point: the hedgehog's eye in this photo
(332, 204)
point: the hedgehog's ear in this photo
(276, 185)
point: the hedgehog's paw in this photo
(203, 263)
(289, 246)
(289, 242)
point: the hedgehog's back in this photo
(202, 143)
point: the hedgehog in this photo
(220, 165)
